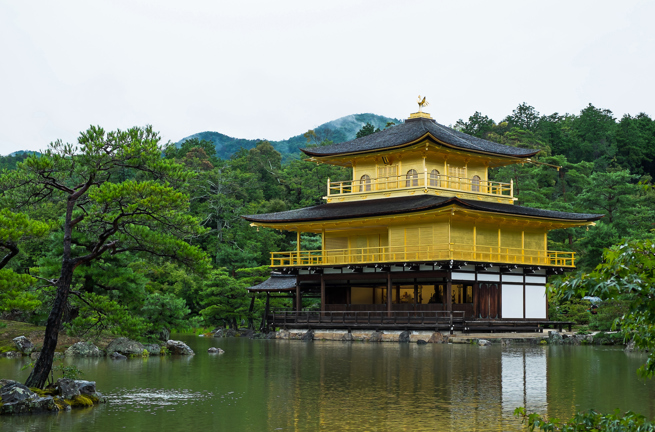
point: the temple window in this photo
(412, 178)
(475, 184)
(365, 183)
(434, 178)
(462, 293)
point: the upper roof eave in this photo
(412, 204)
(427, 136)
(413, 131)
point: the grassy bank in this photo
(11, 329)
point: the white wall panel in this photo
(535, 279)
(512, 278)
(488, 277)
(463, 276)
(512, 301)
(535, 301)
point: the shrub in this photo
(607, 312)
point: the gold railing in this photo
(459, 252)
(425, 181)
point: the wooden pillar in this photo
(251, 321)
(298, 297)
(449, 295)
(322, 293)
(476, 293)
(389, 289)
(266, 308)
(397, 294)
(323, 260)
(298, 247)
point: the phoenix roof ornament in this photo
(421, 103)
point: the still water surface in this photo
(262, 385)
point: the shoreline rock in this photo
(179, 348)
(83, 349)
(16, 398)
(23, 345)
(126, 347)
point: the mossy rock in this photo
(50, 391)
(81, 401)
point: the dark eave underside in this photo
(413, 130)
(409, 204)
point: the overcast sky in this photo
(273, 69)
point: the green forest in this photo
(157, 242)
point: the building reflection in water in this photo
(360, 386)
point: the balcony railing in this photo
(388, 254)
(443, 182)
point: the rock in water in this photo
(18, 399)
(179, 348)
(282, 334)
(70, 389)
(214, 350)
(218, 333)
(4, 382)
(16, 392)
(12, 354)
(24, 345)
(404, 337)
(126, 346)
(421, 342)
(117, 356)
(554, 337)
(348, 337)
(483, 342)
(153, 349)
(438, 337)
(375, 337)
(67, 388)
(83, 349)
(308, 336)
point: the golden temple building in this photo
(420, 237)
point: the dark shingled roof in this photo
(411, 131)
(408, 204)
(277, 282)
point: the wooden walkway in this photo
(404, 320)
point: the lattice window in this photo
(457, 177)
(365, 183)
(434, 178)
(387, 177)
(475, 184)
(412, 178)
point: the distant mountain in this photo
(339, 130)
(24, 152)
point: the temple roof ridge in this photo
(413, 130)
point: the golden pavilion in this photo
(419, 238)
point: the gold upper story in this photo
(424, 167)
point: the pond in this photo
(267, 385)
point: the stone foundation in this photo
(364, 335)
